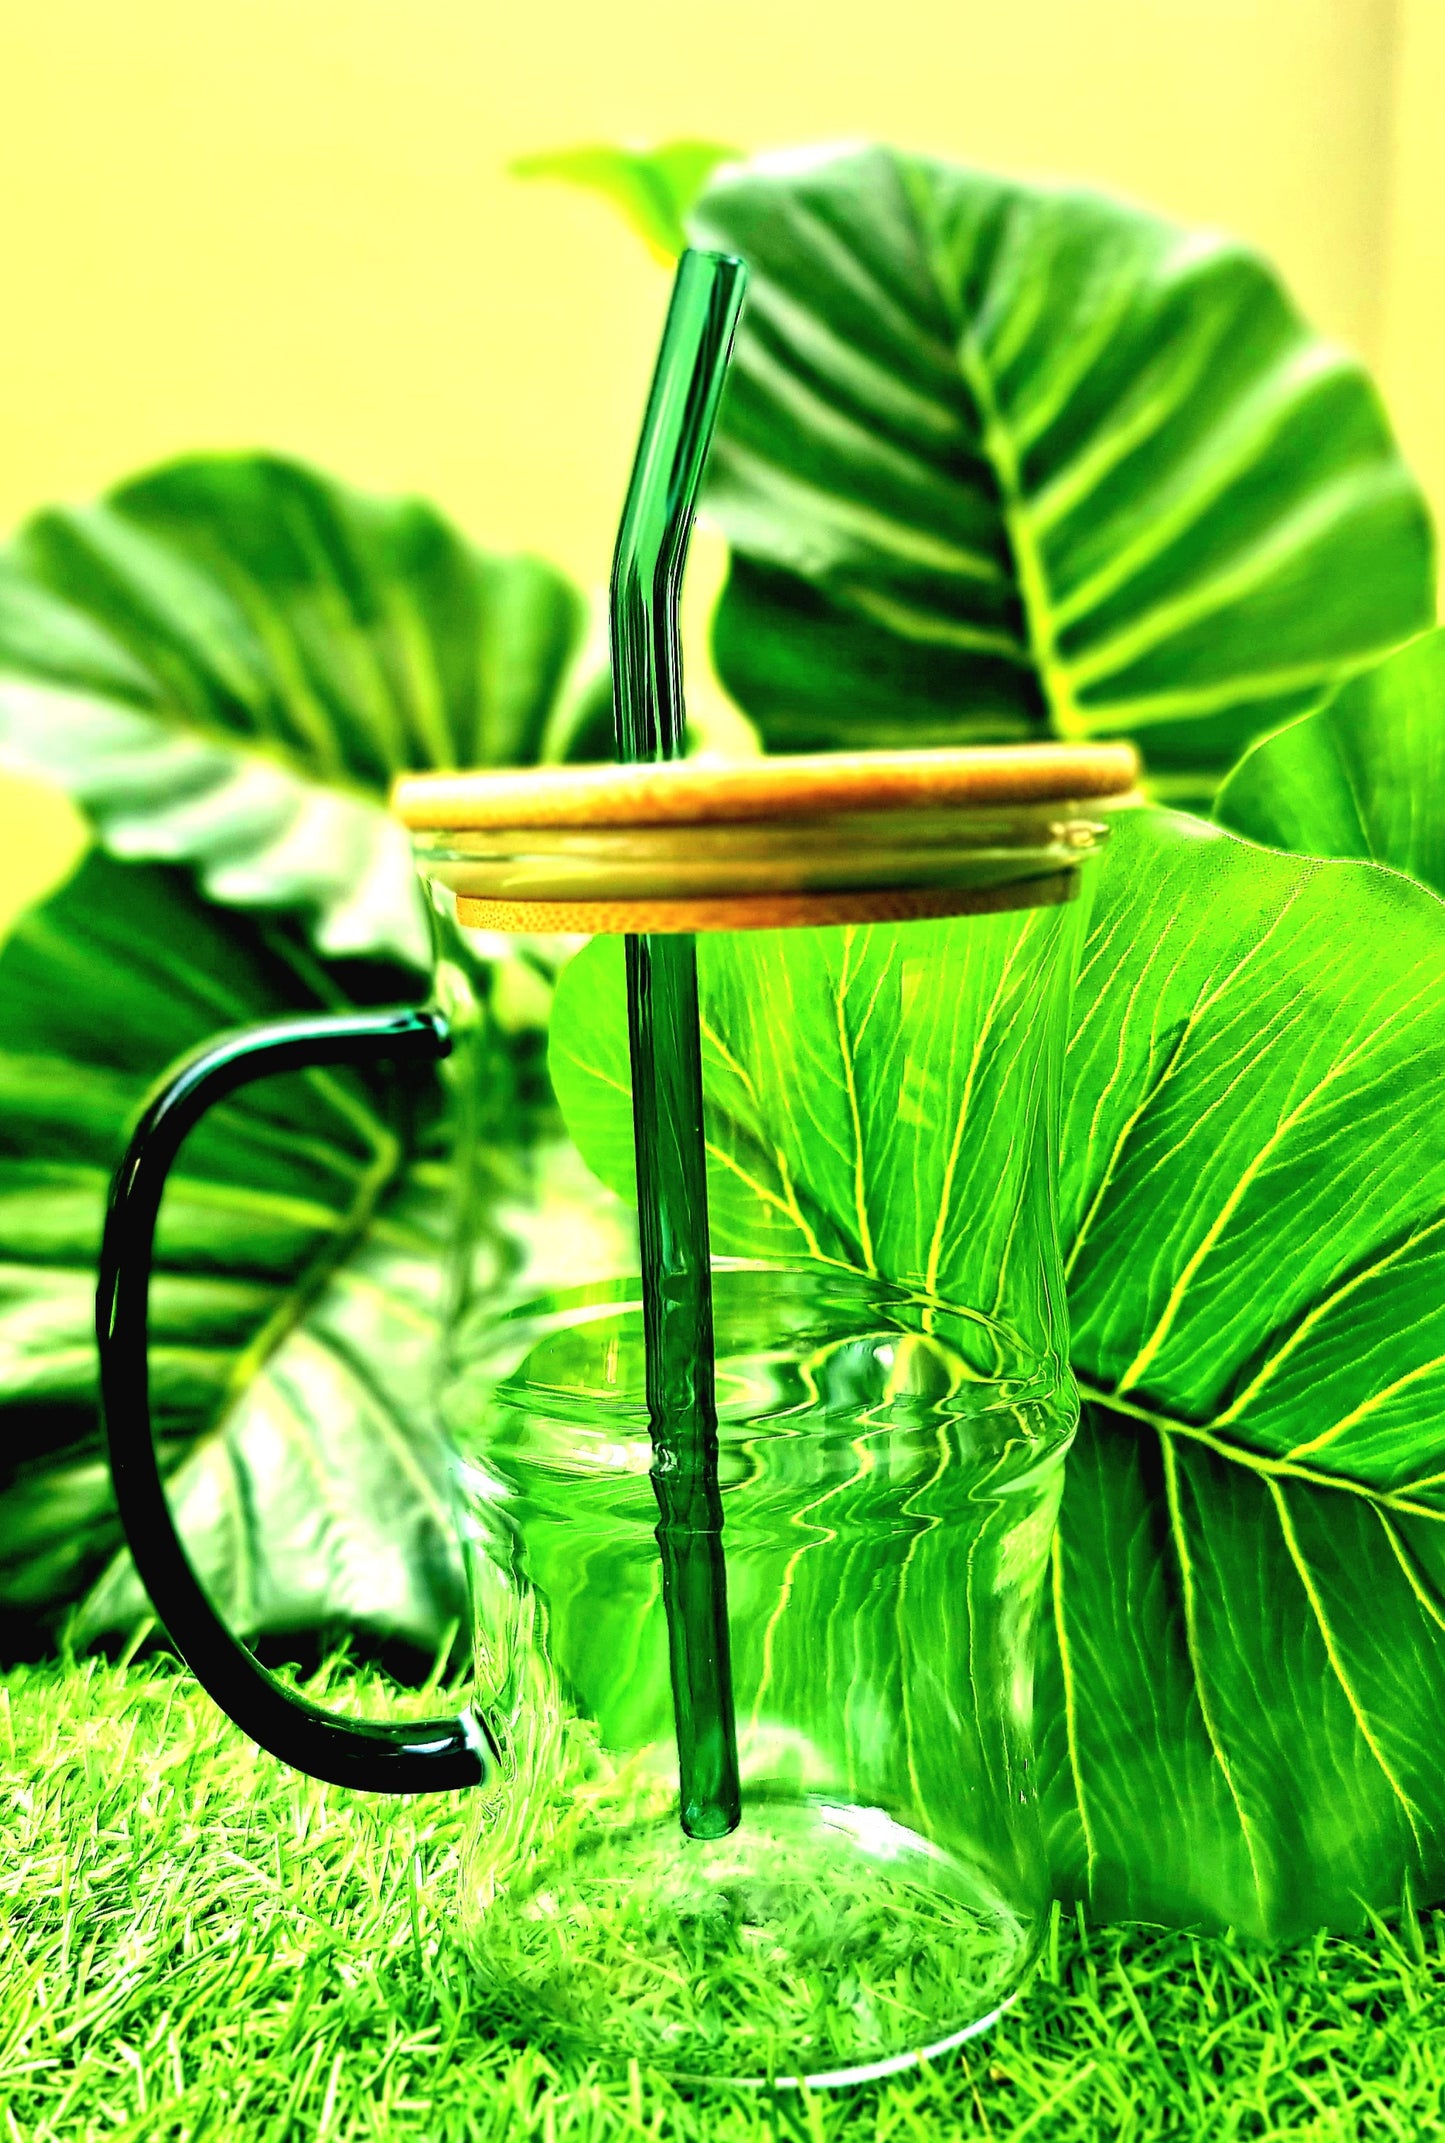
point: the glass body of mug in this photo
(894, 1407)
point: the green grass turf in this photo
(196, 1943)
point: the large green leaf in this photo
(293, 1311)
(1000, 460)
(1244, 1673)
(226, 662)
(1364, 776)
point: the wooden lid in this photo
(696, 792)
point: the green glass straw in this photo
(666, 1059)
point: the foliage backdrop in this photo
(1010, 460)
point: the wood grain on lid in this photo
(697, 792)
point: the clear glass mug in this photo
(893, 1403)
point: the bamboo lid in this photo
(697, 792)
(767, 843)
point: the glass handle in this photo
(406, 1756)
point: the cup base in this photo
(818, 1944)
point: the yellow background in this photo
(287, 223)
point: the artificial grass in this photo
(196, 1943)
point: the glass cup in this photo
(893, 1407)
